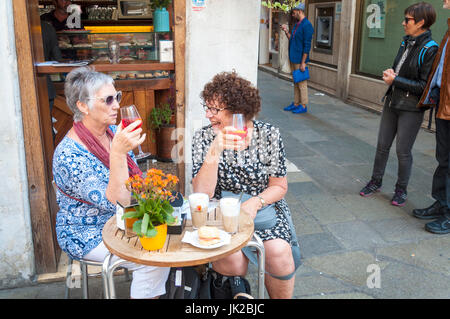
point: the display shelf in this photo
(144, 84)
(134, 22)
(84, 3)
(132, 43)
(107, 67)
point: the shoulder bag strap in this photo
(71, 197)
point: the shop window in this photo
(381, 33)
(275, 34)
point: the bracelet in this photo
(263, 202)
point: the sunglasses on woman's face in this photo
(109, 100)
(407, 20)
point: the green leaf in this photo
(137, 227)
(170, 219)
(130, 214)
(151, 232)
(167, 208)
(145, 221)
(149, 206)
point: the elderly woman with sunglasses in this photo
(90, 167)
(401, 118)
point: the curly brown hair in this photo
(236, 93)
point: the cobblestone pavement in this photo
(347, 240)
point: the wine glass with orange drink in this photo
(240, 125)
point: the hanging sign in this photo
(198, 5)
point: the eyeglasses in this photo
(407, 20)
(109, 100)
(213, 110)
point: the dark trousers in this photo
(405, 126)
(441, 178)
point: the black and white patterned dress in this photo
(248, 170)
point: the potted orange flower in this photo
(153, 210)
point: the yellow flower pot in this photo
(157, 242)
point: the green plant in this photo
(152, 194)
(285, 5)
(156, 4)
(160, 116)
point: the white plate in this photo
(192, 238)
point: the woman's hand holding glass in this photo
(227, 140)
(128, 138)
(234, 137)
(128, 115)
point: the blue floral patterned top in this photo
(81, 175)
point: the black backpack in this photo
(218, 286)
(183, 283)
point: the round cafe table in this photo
(176, 253)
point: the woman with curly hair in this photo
(255, 165)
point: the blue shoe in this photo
(300, 109)
(290, 107)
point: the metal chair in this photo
(256, 242)
(85, 275)
(84, 271)
(108, 278)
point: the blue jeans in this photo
(405, 126)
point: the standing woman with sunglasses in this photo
(401, 118)
(90, 167)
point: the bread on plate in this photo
(208, 235)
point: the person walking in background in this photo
(437, 93)
(401, 118)
(299, 47)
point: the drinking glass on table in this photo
(198, 202)
(128, 115)
(230, 208)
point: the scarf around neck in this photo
(95, 147)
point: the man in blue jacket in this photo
(299, 46)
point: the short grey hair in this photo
(81, 85)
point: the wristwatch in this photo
(263, 202)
